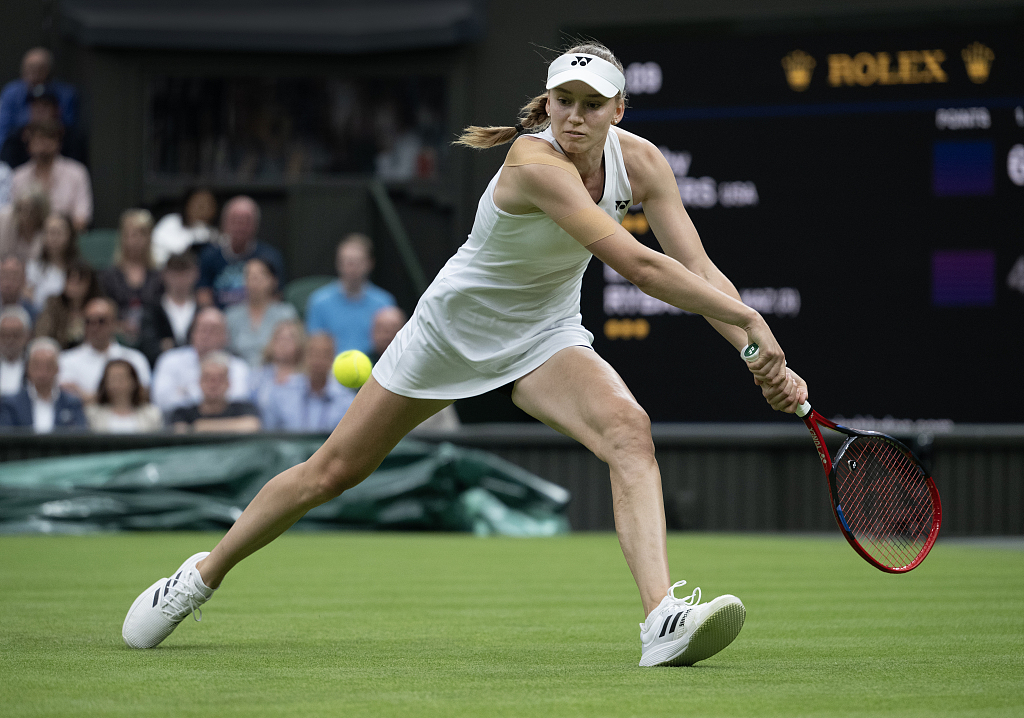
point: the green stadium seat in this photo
(297, 291)
(97, 247)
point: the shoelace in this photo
(692, 600)
(182, 601)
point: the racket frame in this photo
(812, 419)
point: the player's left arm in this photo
(655, 186)
(654, 182)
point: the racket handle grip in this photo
(750, 353)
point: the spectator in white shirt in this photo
(15, 329)
(176, 376)
(47, 273)
(41, 405)
(165, 324)
(191, 230)
(82, 367)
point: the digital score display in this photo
(863, 188)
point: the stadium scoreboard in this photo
(863, 188)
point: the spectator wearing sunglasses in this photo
(81, 368)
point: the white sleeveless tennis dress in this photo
(504, 304)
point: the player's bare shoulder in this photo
(646, 167)
(533, 168)
(535, 151)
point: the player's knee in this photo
(627, 433)
(330, 477)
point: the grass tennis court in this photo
(336, 624)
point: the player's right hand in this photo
(785, 395)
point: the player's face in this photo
(580, 115)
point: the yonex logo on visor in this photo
(600, 74)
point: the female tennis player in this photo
(505, 311)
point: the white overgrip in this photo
(750, 353)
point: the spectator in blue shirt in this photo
(345, 310)
(36, 69)
(222, 265)
(314, 401)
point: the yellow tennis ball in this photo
(352, 368)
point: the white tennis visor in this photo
(600, 74)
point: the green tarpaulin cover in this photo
(419, 486)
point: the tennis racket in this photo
(884, 501)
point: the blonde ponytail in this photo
(533, 116)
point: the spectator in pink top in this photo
(65, 180)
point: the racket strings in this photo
(892, 518)
(885, 500)
(877, 503)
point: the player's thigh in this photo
(579, 394)
(374, 423)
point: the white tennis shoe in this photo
(682, 631)
(165, 604)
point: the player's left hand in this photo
(786, 394)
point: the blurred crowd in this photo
(186, 330)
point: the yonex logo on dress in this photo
(621, 204)
(581, 61)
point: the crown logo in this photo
(978, 61)
(798, 66)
